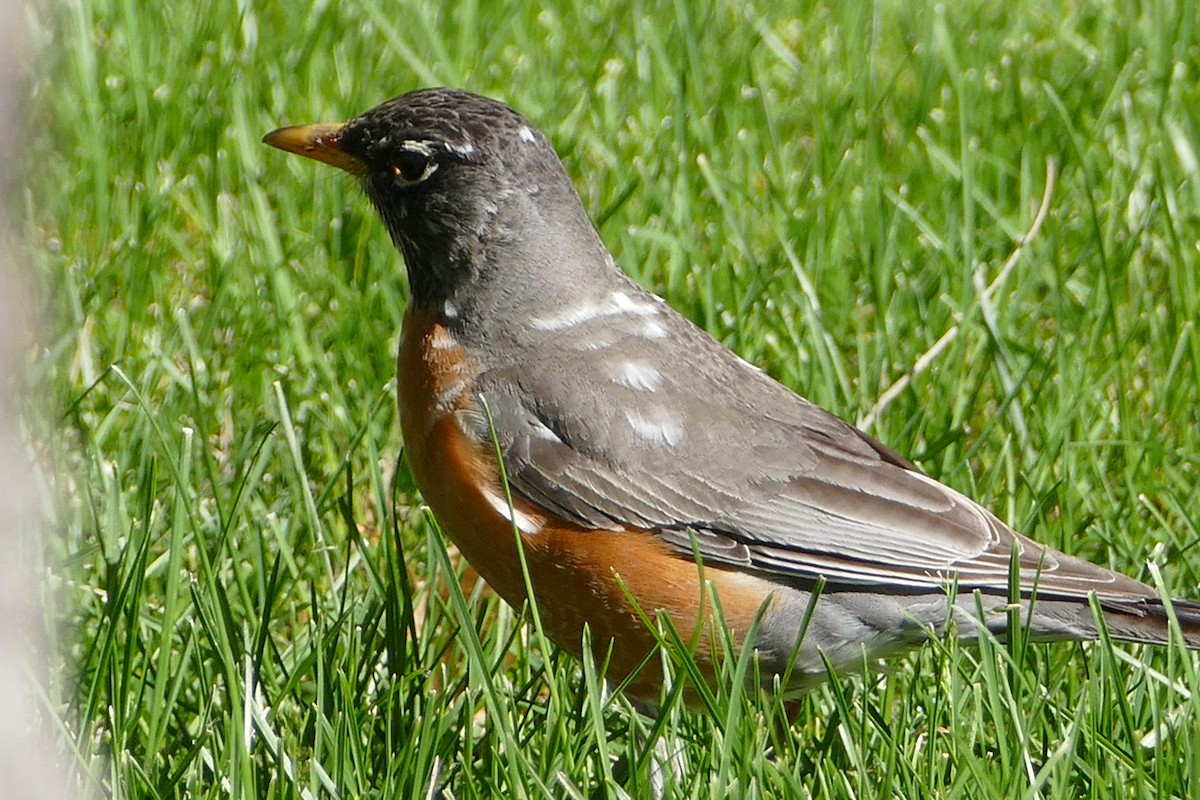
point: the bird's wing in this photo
(714, 456)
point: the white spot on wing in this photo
(663, 428)
(568, 318)
(526, 134)
(524, 523)
(595, 343)
(544, 433)
(617, 303)
(638, 375)
(625, 305)
(654, 330)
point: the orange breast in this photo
(577, 574)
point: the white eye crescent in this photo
(413, 167)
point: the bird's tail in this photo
(1136, 620)
(1149, 621)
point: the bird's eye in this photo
(411, 166)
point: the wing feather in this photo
(790, 491)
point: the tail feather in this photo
(1148, 621)
(1135, 619)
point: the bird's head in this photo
(460, 180)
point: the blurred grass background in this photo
(245, 597)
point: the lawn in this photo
(973, 228)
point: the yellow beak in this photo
(318, 142)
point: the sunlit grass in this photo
(247, 598)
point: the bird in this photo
(575, 436)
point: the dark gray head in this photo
(465, 185)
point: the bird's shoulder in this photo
(628, 388)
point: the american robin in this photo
(642, 457)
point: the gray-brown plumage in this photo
(614, 414)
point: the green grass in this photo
(245, 596)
